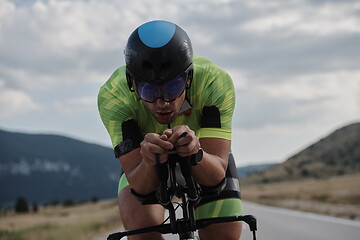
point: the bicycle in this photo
(172, 184)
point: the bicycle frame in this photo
(189, 195)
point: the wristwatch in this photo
(197, 157)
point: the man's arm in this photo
(212, 169)
(139, 165)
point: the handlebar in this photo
(190, 195)
(184, 226)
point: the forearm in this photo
(143, 178)
(211, 170)
(140, 165)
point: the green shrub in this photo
(21, 205)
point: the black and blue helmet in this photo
(156, 52)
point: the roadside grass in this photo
(78, 222)
(336, 196)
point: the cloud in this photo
(295, 63)
(53, 38)
(239, 78)
(15, 103)
(76, 107)
(316, 85)
(295, 17)
(316, 97)
(91, 30)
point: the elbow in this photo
(212, 179)
(219, 178)
(221, 174)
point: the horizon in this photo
(238, 165)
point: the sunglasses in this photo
(168, 91)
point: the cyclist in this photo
(148, 104)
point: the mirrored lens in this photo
(168, 91)
(173, 88)
(148, 91)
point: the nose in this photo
(161, 103)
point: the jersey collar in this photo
(186, 106)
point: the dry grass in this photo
(59, 223)
(337, 196)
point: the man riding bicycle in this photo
(148, 105)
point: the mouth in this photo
(164, 115)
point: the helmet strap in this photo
(129, 80)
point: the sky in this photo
(295, 65)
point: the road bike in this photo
(176, 181)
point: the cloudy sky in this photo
(295, 64)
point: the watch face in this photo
(199, 155)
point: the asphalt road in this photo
(282, 224)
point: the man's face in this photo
(165, 112)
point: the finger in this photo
(186, 150)
(150, 148)
(184, 139)
(183, 152)
(163, 157)
(148, 151)
(178, 134)
(164, 137)
(160, 141)
(168, 132)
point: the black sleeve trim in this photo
(213, 190)
(231, 170)
(210, 117)
(146, 199)
(132, 138)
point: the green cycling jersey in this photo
(207, 110)
(211, 87)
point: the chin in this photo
(164, 122)
(168, 121)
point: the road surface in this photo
(282, 224)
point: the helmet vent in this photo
(148, 70)
(165, 70)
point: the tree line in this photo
(23, 206)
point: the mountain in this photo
(336, 154)
(250, 169)
(45, 168)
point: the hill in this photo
(250, 169)
(335, 155)
(323, 178)
(45, 168)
